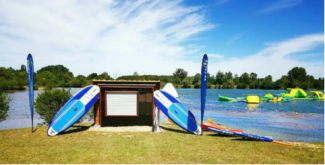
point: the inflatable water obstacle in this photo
(292, 94)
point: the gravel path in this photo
(122, 129)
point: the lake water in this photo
(19, 111)
(268, 119)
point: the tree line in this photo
(296, 77)
(47, 77)
(59, 76)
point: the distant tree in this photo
(242, 86)
(310, 81)
(210, 79)
(21, 78)
(23, 67)
(319, 83)
(228, 76)
(135, 74)
(49, 102)
(186, 83)
(197, 78)
(180, 73)
(105, 76)
(80, 81)
(46, 79)
(176, 80)
(229, 84)
(282, 83)
(253, 84)
(7, 76)
(92, 76)
(244, 78)
(253, 76)
(4, 105)
(297, 76)
(267, 83)
(236, 79)
(197, 85)
(55, 69)
(60, 76)
(220, 78)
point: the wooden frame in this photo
(119, 85)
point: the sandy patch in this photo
(303, 144)
(122, 129)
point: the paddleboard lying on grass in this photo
(175, 111)
(74, 109)
(207, 124)
(249, 136)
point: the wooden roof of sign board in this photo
(126, 82)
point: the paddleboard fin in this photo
(198, 131)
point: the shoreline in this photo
(134, 129)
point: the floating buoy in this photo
(296, 113)
(276, 110)
(313, 113)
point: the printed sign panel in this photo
(122, 104)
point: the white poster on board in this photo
(121, 104)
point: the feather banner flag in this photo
(204, 72)
(30, 72)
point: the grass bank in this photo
(79, 146)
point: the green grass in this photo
(80, 146)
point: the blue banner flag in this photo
(204, 73)
(30, 72)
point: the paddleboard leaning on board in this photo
(175, 111)
(74, 109)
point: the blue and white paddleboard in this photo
(175, 111)
(250, 136)
(74, 109)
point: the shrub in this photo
(49, 103)
(197, 85)
(4, 105)
(242, 86)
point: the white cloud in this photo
(97, 36)
(277, 59)
(280, 4)
(215, 55)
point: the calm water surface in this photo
(19, 112)
(269, 119)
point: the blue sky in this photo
(268, 37)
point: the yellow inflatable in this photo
(253, 99)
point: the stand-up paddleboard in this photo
(249, 136)
(206, 125)
(174, 110)
(75, 108)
